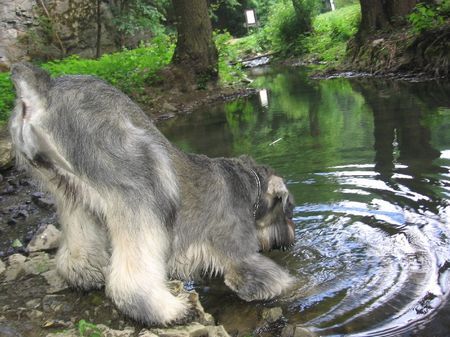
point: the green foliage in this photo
(86, 329)
(229, 14)
(331, 31)
(133, 16)
(426, 17)
(229, 66)
(6, 96)
(129, 70)
(288, 23)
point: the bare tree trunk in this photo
(382, 14)
(195, 51)
(99, 30)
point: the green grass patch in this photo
(128, 70)
(6, 96)
(331, 31)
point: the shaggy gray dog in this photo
(134, 209)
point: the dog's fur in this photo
(134, 209)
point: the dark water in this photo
(368, 162)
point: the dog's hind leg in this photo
(256, 277)
(83, 255)
(137, 280)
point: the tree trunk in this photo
(195, 52)
(99, 30)
(383, 14)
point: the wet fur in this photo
(135, 210)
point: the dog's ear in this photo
(277, 189)
(32, 85)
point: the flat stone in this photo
(169, 107)
(40, 200)
(190, 330)
(38, 264)
(303, 332)
(56, 283)
(6, 157)
(107, 332)
(146, 333)
(65, 333)
(33, 304)
(271, 315)
(16, 267)
(2, 267)
(34, 314)
(46, 238)
(288, 331)
(56, 303)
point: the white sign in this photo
(264, 98)
(250, 17)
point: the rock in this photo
(38, 264)
(146, 333)
(56, 303)
(271, 315)
(9, 189)
(303, 332)
(34, 314)
(190, 330)
(6, 331)
(21, 214)
(6, 157)
(16, 267)
(377, 42)
(55, 281)
(12, 222)
(65, 333)
(107, 332)
(46, 238)
(33, 304)
(169, 107)
(288, 331)
(2, 267)
(40, 200)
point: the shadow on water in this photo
(368, 163)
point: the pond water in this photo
(368, 162)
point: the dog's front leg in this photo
(137, 278)
(83, 255)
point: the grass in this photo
(6, 96)
(331, 31)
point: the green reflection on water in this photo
(367, 161)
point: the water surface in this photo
(368, 162)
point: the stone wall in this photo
(27, 32)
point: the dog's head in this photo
(273, 215)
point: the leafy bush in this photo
(288, 22)
(331, 32)
(129, 70)
(425, 17)
(6, 96)
(229, 66)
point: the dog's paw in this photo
(262, 280)
(79, 273)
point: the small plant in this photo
(6, 96)
(229, 66)
(425, 17)
(86, 329)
